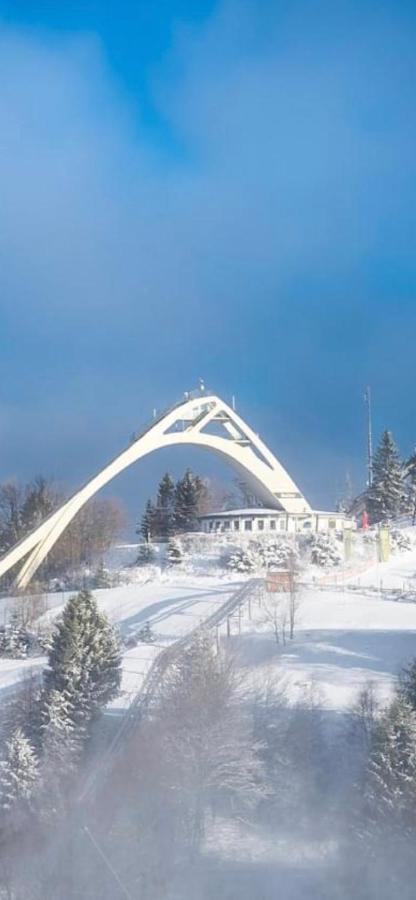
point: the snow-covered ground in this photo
(173, 606)
(359, 630)
(344, 637)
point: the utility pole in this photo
(367, 400)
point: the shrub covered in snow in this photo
(263, 555)
(102, 577)
(146, 635)
(145, 555)
(325, 550)
(174, 552)
(399, 541)
(15, 640)
(243, 559)
(279, 554)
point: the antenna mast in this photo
(367, 400)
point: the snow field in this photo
(173, 607)
(344, 638)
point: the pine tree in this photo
(102, 578)
(165, 507)
(60, 741)
(61, 744)
(145, 635)
(410, 475)
(408, 683)
(189, 495)
(145, 555)
(174, 552)
(84, 659)
(18, 773)
(14, 639)
(390, 789)
(386, 494)
(148, 522)
(22, 709)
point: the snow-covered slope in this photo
(173, 606)
(364, 630)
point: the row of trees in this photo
(393, 490)
(176, 507)
(87, 538)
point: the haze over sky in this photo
(217, 189)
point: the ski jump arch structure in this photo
(203, 421)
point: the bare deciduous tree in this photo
(281, 605)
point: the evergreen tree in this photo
(84, 659)
(102, 578)
(408, 683)
(189, 496)
(148, 522)
(145, 555)
(174, 552)
(165, 507)
(61, 744)
(386, 495)
(390, 789)
(22, 709)
(18, 773)
(14, 639)
(410, 475)
(145, 635)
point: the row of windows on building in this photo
(246, 525)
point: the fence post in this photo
(228, 627)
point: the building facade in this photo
(272, 521)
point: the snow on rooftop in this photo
(244, 512)
(262, 511)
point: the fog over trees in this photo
(210, 751)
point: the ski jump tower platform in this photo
(201, 420)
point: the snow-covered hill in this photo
(362, 629)
(172, 604)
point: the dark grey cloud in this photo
(267, 246)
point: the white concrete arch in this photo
(203, 421)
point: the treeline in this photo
(176, 507)
(393, 490)
(90, 534)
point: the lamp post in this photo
(367, 400)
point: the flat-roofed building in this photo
(272, 521)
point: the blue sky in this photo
(217, 189)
